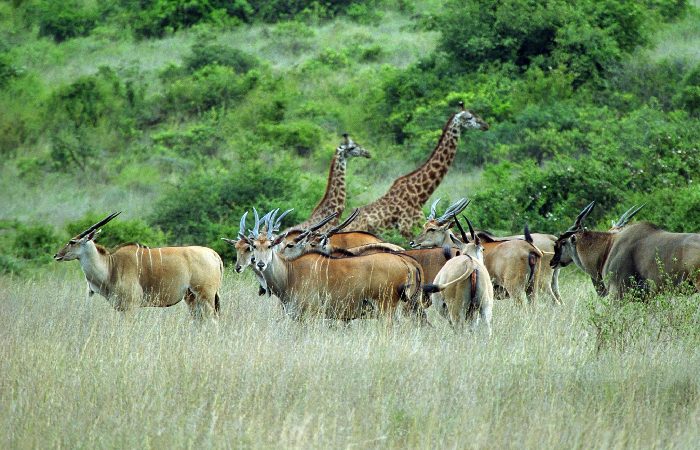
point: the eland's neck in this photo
(275, 275)
(96, 267)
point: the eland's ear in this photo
(456, 241)
(229, 241)
(279, 239)
(92, 235)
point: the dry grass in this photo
(77, 374)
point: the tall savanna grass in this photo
(77, 374)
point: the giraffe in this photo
(401, 206)
(333, 200)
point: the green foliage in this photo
(365, 12)
(120, 231)
(158, 17)
(293, 37)
(199, 141)
(301, 136)
(25, 246)
(36, 242)
(688, 96)
(676, 208)
(65, 20)
(644, 153)
(155, 18)
(21, 111)
(208, 87)
(203, 54)
(91, 116)
(276, 10)
(667, 9)
(222, 196)
(8, 70)
(585, 36)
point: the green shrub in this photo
(301, 136)
(216, 54)
(22, 107)
(276, 10)
(586, 36)
(208, 87)
(65, 20)
(35, 243)
(94, 115)
(11, 265)
(222, 196)
(199, 141)
(120, 231)
(293, 37)
(641, 80)
(8, 70)
(157, 17)
(365, 13)
(674, 209)
(688, 97)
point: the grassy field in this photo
(76, 374)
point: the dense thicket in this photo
(579, 109)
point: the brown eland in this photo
(336, 288)
(512, 265)
(640, 256)
(462, 291)
(134, 275)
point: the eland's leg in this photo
(554, 287)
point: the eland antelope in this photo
(512, 265)
(336, 288)
(134, 275)
(462, 290)
(640, 255)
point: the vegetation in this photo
(77, 374)
(185, 114)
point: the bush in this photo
(65, 20)
(216, 54)
(22, 106)
(586, 36)
(689, 95)
(208, 87)
(37, 242)
(200, 141)
(93, 115)
(276, 10)
(157, 17)
(674, 209)
(223, 196)
(120, 231)
(8, 71)
(23, 246)
(301, 136)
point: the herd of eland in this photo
(317, 269)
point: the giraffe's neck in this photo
(425, 179)
(334, 198)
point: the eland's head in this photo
(565, 245)
(436, 230)
(75, 248)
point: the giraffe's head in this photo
(466, 119)
(348, 149)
